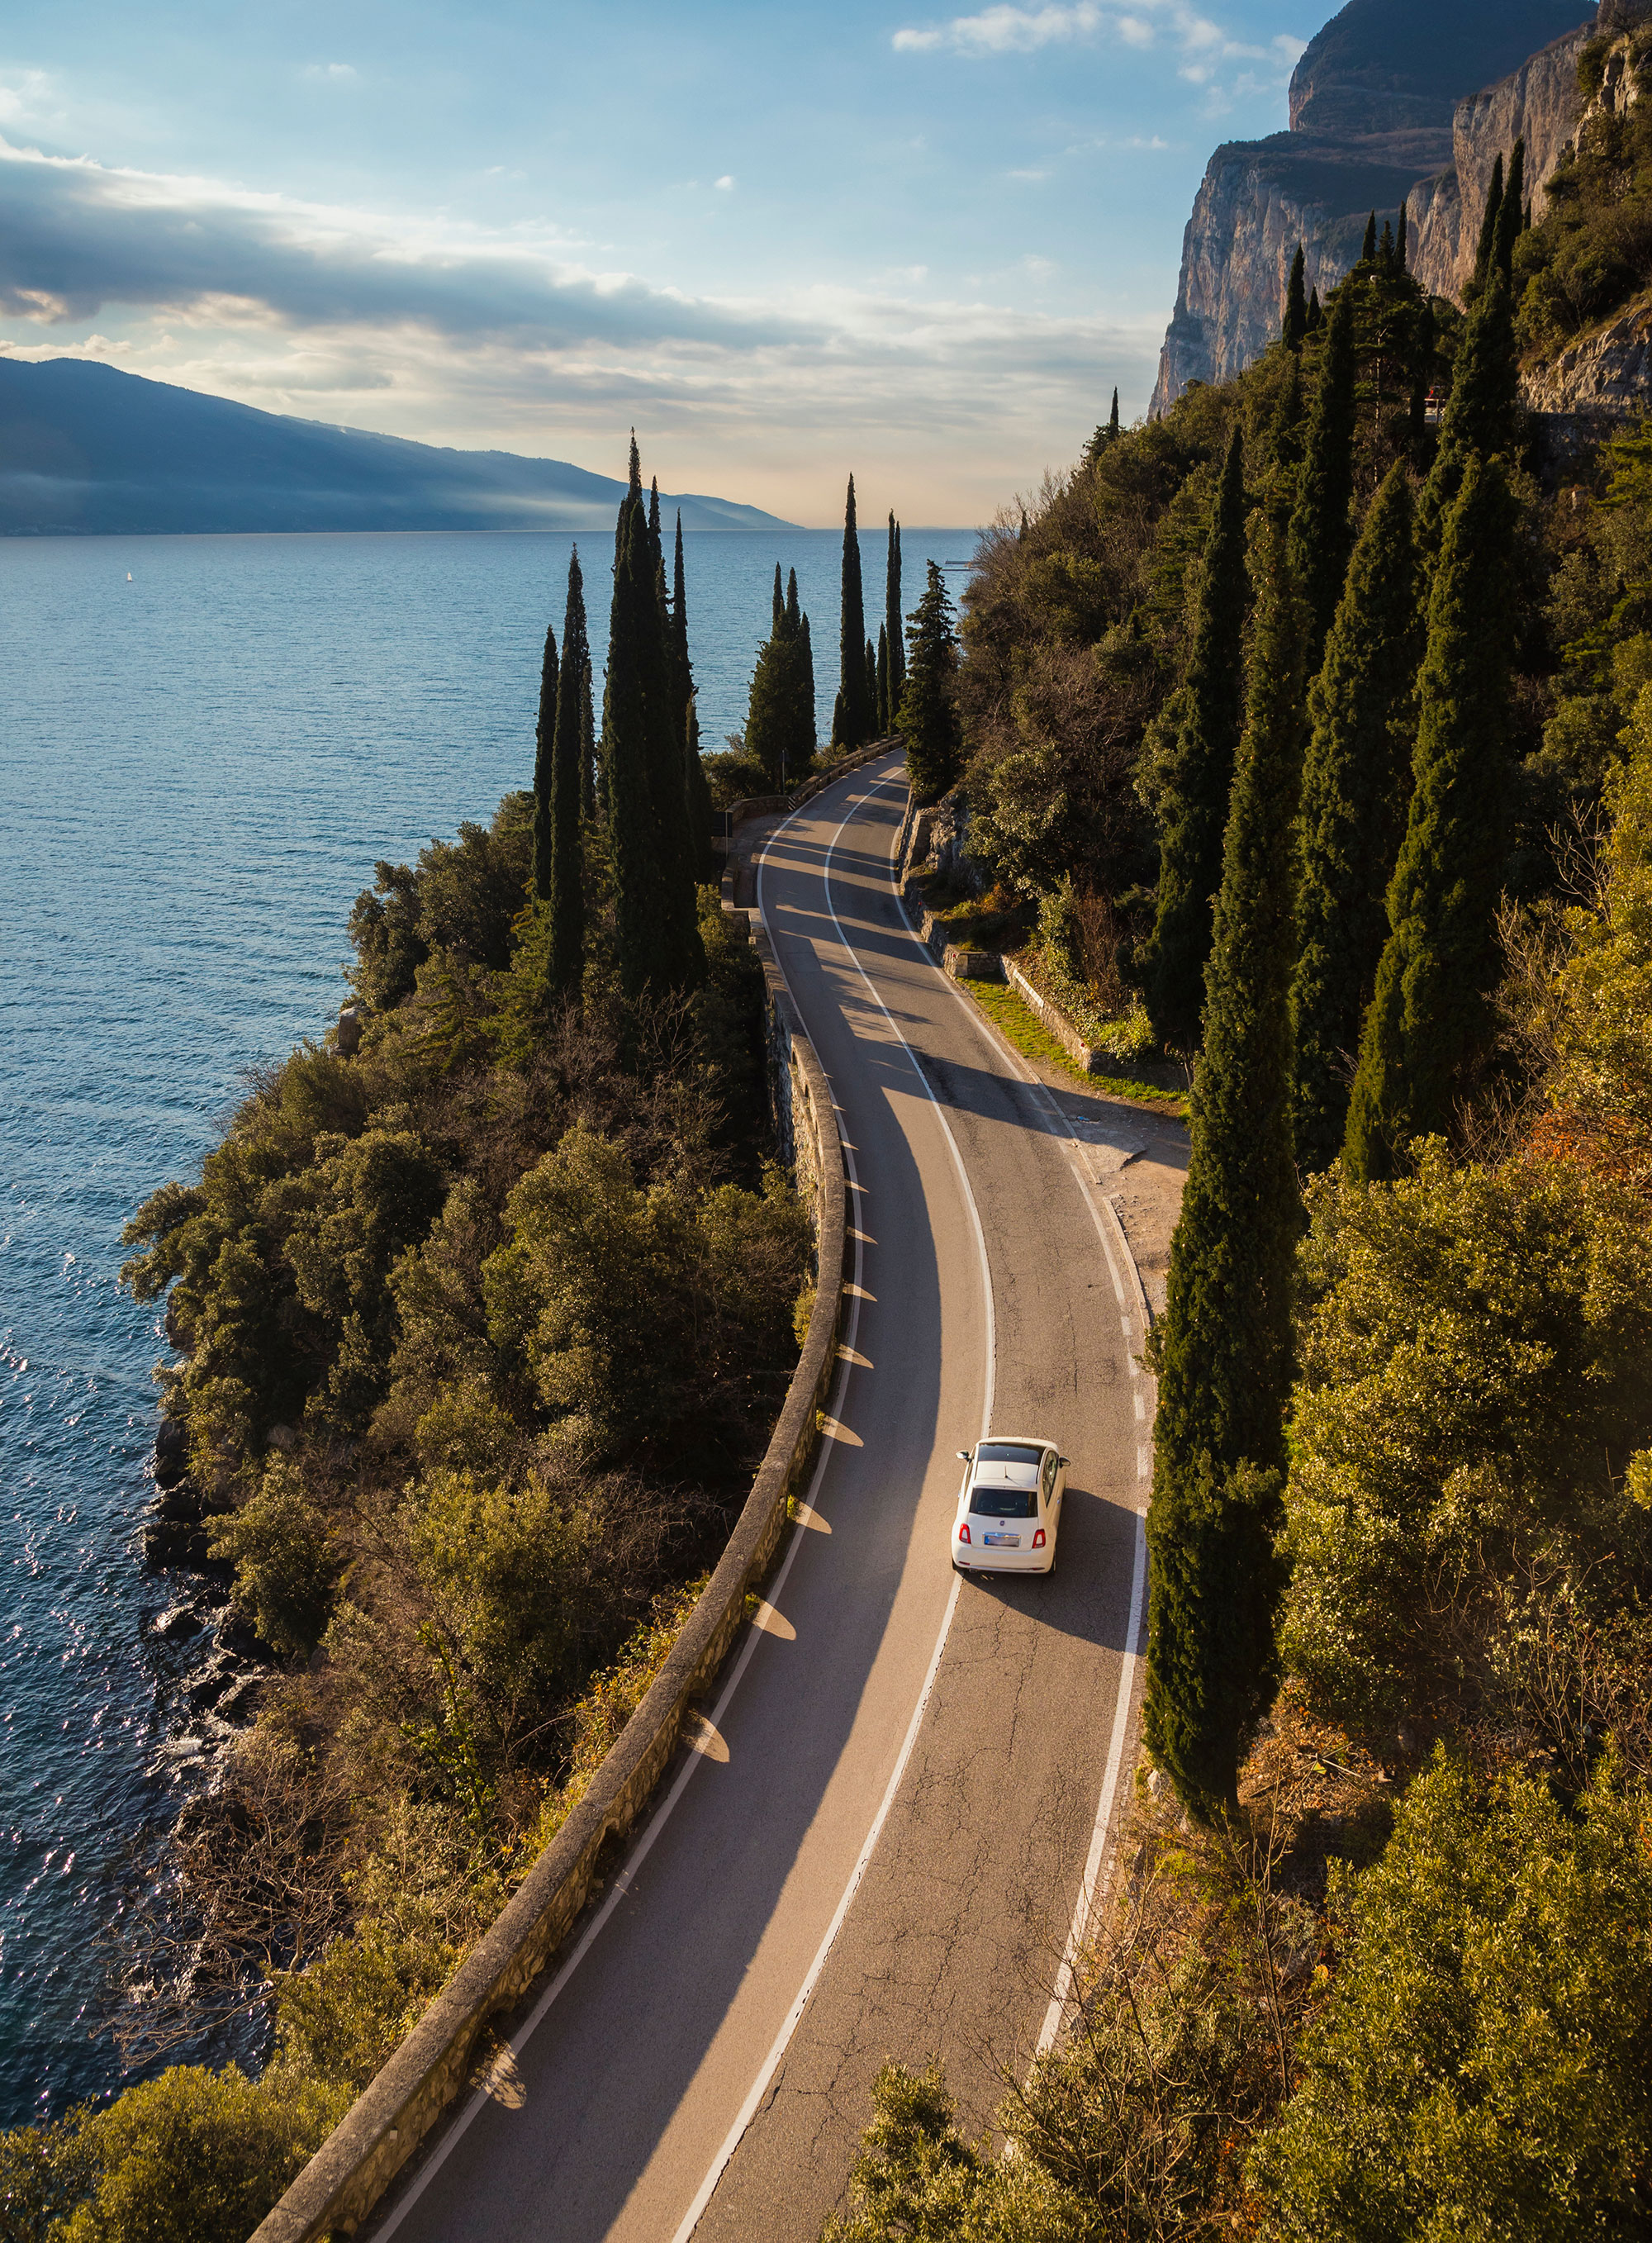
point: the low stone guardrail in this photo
(963, 963)
(767, 806)
(355, 2166)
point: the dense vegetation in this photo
(1335, 727)
(482, 1321)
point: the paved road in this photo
(893, 1805)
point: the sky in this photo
(783, 241)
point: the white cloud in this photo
(1204, 46)
(1006, 30)
(331, 73)
(725, 183)
(1033, 179)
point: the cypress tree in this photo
(802, 718)
(665, 719)
(780, 722)
(1295, 326)
(565, 891)
(1316, 316)
(1423, 368)
(929, 714)
(1209, 717)
(654, 509)
(686, 724)
(576, 648)
(1285, 434)
(882, 681)
(1386, 248)
(1481, 418)
(1321, 536)
(544, 748)
(639, 922)
(1355, 781)
(892, 623)
(871, 690)
(1112, 418)
(1510, 213)
(1368, 246)
(851, 720)
(1428, 1019)
(1225, 1345)
(1486, 245)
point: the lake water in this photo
(204, 764)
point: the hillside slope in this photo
(85, 449)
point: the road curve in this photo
(877, 1848)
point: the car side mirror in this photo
(1063, 1460)
(964, 1455)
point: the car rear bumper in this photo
(1004, 1561)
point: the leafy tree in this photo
(1355, 784)
(286, 1558)
(1483, 2066)
(852, 716)
(544, 739)
(1208, 717)
(1294, 327)
(1321, 533)
(929, 714)
(1428, 1021)
(1224, 1349)
(199, 2153)
(1475, 1354)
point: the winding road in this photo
(878, 1844)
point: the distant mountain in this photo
(1382, 111)
(85, 449)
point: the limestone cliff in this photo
(1375, 106)
(1538, 104)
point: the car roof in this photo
(1015, 1441)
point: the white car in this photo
(1009, 1506)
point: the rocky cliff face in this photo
(1375, 106)
(1538, 104)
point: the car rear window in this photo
(1007, 1453)
(996, 1501)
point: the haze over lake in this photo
(204, 763)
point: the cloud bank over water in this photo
(526, 339)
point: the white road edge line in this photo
(771, 2063)
(1098, 1836)
(1095, 1200)
(442, 2149)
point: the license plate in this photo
(1004, 1541)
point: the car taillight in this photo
(963, 1532)
(1038, 1539)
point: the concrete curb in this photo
(353, 2167)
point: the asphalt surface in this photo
(909, 1862)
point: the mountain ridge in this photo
(87, 449)
(1389, 101)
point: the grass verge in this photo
(1015, 1018)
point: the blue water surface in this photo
(209, 741)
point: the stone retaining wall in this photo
(342, 2183)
